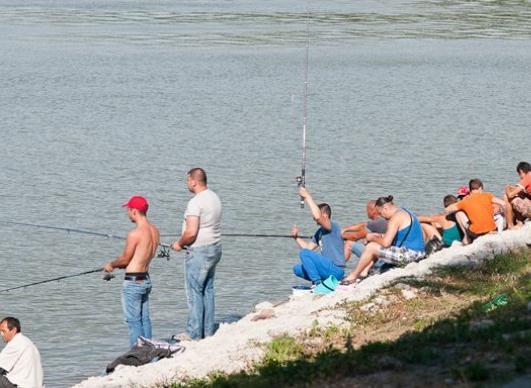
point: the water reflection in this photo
(417, 19)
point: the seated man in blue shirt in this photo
(315, 266)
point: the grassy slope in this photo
(442, 335)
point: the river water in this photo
(100, 100)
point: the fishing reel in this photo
(107, 276)
(164, 253)
(300, 182)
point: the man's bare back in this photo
(147, 239)
(141, 245)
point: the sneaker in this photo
(181, 337)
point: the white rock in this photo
(382, 301)
(409, 294)
(263, 306)
(403, 286)
(367, 307)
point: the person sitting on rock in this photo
(354, 235)
(478, 207)
(401, 244)
(446, 223)
(518, 197)
(330, 260)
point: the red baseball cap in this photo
(462, 191)
(137, 202)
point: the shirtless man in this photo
(518, 197)
(140, 248)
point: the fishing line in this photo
(164, 251)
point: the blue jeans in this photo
(135, 303)
(316, 267)
(200, 268)
(357, 248)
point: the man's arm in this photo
(498, 201)
(387, 239)
(302, 243)
(354, 232)
(452, 208)
(430, 219)
(189, 235)
(513, 191)
(8, 358)
(316, 212)
(354, 228)
(123, 260)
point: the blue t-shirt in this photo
(331, 244)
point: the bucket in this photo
(301, 290)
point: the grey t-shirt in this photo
(207, 206)
(378, 225)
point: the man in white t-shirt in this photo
(20, 361)
(201, 237)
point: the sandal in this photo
(347, 282)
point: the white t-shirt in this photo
(207, 206)
(21, 359)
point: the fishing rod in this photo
(301, 180)
(258, 235)
(117, 237)
(164, 252)
(107, 276)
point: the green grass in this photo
(453, 344)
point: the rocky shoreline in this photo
(236, 346)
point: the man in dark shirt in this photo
(355, 234)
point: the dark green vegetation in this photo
(448, 334)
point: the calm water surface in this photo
(100, 100)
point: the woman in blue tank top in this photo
(403, 242)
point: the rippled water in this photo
(101, 100)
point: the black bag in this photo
(139, 355)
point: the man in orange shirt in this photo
(518, 197)
(479, 210)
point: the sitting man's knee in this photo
(304, 253)
(372, 247)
